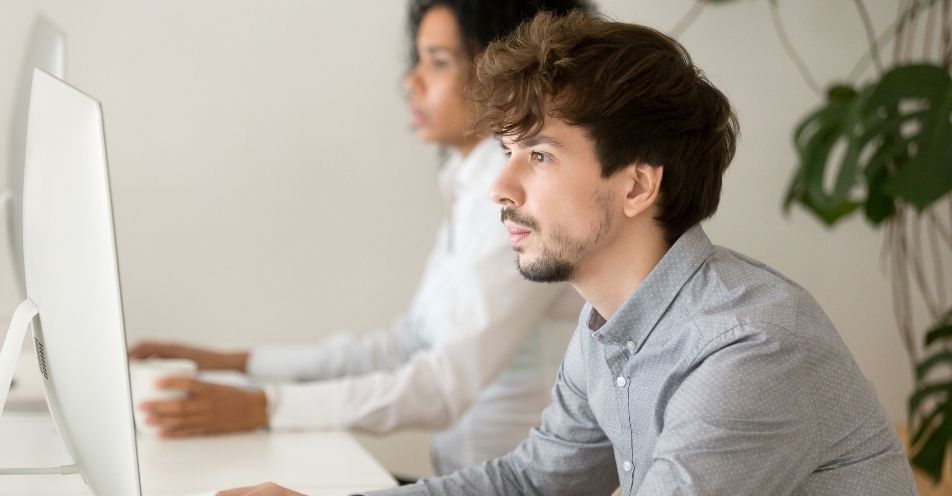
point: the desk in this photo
(315, 463)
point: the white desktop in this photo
(74, 303)
(72, 286)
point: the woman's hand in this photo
(208, 409)
(205, 359)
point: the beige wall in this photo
(267, 187)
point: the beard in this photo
(562, 252)
(549, 267)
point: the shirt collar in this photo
(640, 313)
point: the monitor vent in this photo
(41, 357)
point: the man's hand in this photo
(205, 359)
(208, 409)
(266, 489)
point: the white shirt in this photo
(475, 356)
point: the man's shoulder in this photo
(732, 291)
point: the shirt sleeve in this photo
(488, 318)
(738, 424)
(340, 355)
(568, 455)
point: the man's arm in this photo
(741, 423)
(762, 412)
(568, 455)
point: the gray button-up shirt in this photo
(717, 376)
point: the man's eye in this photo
(537, 157)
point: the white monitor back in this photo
(72, 276)
(46, 50)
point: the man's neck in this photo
(616, 270)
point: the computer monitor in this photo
(46, 50)
(72, 283)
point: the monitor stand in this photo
(22, 322)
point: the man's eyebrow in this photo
(539, 139)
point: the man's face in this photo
(558, 209)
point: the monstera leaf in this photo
(888, 142)
(931, 402)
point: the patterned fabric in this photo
(718, 376)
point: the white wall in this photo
(267, 186)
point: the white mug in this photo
(144, 374)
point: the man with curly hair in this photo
(694, 369)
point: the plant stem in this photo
(913, 26)
(900, 286)
(936, 255)
(915, 268)
(946, 34)
(870, 35)
(927, 39)
(941, 229)
(893, 31)
(792, 52)
(688, 19)
(901, 18)
(948, 237)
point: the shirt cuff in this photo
(267, 363)
(314, 405)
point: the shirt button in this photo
(627, 466)
(631, 346)
(621, 381)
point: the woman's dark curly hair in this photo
(484, 21)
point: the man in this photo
(694, 370)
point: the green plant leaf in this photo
(895, 136)
(927, 174)
(814, 140)
(930, 405)
(879, 205)
(927, 177)
(942, 330)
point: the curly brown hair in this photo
(633, 89)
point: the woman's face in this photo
(439, 110)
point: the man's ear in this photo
(643, 185)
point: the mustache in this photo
(509, 213)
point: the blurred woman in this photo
(475, 355)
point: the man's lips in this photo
(516, 233)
